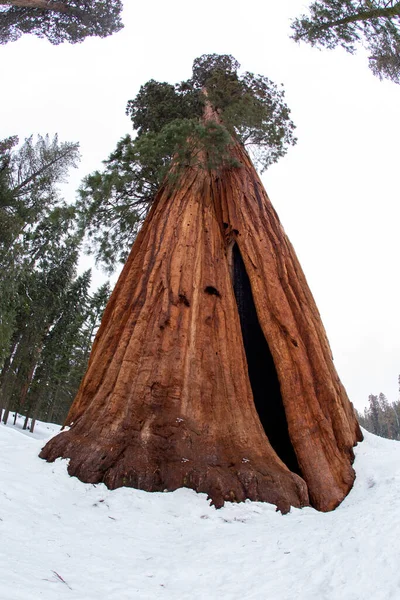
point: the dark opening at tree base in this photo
(262, 372)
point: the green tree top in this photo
(347, 23)
(29, 180)
(59, 20)
(168, 123)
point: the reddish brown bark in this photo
(167, 401)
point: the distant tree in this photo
(48, 316)
(373, 23)
(59, 20)
(42, 291)
(167, 121)
(49, 388)
(52, 339)
(94, 310)
(8, 253)
(29, 179)
(66, 352)
(382, 417)
(375, 411)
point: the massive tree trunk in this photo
(211, 369)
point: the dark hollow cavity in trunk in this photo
(262, 372)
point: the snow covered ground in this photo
(60, 538)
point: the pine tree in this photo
(66, 352)
(30, 204)
(59, 21)
(40, 299)
(347, 23)
(36, 227)
(49, 394)
(10, 263)
(47, 315)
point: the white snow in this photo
(60, 538)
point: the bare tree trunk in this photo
(170, 398)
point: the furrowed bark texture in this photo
(167, 400)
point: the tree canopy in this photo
(59, 20)
(168, 125)
(374, 24)
(29, 179)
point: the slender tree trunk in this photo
(6, 414)
(8, 376)
(6, 367)
(6, 391)
(26, 383)
(170, 398)
(5, 382)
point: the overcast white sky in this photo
(336, 192)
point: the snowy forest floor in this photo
(60, 538)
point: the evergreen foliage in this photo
(168, 125)
(41, 286)
(47, 314)
(347, 23)
(56, 319)
(59, 20)
(66, 350)
(381, 417)
(29, 204)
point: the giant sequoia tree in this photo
(211, 368)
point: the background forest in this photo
(48, 313)
(381, 417)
